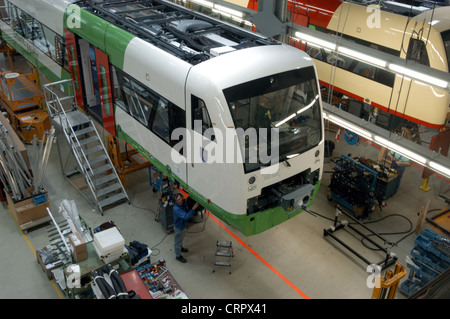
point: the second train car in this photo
(420, 34)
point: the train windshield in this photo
(286, 104)
(446, 39)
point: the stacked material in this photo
(15, 175)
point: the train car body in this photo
(42, 44)
(208, 104)
(421, 36)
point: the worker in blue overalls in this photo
(181, 214)
(399, 163)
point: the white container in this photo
(109, 242)
(110, 257)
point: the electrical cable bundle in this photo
(103, 285)
(119, 286)
(118, 290)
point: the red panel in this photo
(319, 12)
(74, 66)
(105, 89)
(132, 281)
(252, 4)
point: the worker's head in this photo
(179, 198)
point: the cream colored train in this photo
(413, 33)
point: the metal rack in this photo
(354, 186)
(389, 258)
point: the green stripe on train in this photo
(105, 36)
(247, 224)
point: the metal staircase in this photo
(102, 184)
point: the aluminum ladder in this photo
(103, 186)
(223, 255)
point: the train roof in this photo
(191, 36)
(439, 18)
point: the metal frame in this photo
(67, 120)
(386, 262)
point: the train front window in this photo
(288, 102)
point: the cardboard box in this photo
(26, 210)
(79, 246)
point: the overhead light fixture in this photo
(362, 57)
(440, 168)
(401, 150)
(419, 76)
(349, 126)
(204, 3)
(316, 41)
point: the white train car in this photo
(233, 117)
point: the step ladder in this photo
(223, 255)
(103, 186)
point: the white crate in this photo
(108, 243)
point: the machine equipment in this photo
(22, 99)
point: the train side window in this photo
(177, 121)
(161, 120)
(117, 89)
(140, 100)
(417, 51)
(200, 113)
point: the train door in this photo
(90, 70)
(105, 91)
(205, 155)
(74, 66)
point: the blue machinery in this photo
(353, 185)
(358, 187)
